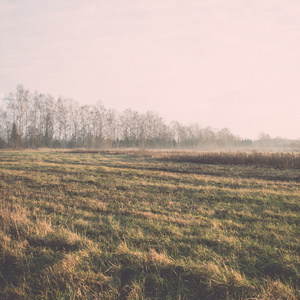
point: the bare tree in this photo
(112, 126)
(34, 135)
(47, 119)
(17, 106)
(4, 129)
(225, 138)
(40, 120)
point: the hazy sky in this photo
(225, 63)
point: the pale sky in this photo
(226, 63)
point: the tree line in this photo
(34, 120)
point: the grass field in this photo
(147, 225)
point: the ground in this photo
(146, 225)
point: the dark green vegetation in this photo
(146, 226)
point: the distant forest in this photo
(35, 120)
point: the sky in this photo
(220, 63)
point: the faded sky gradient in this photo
(226, 63)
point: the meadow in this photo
(149, 225)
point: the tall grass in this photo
(281, 160)
(269, 159)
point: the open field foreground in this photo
(130, 225)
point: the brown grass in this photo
(290, 160)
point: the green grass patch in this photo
(129, 225)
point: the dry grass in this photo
(142, 225)
(263, 159)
